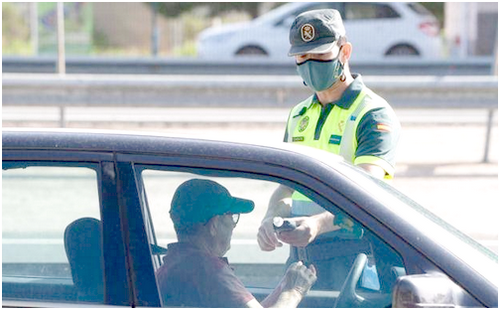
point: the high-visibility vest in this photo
(337, 136)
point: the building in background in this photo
(471, 28)
(125, 25)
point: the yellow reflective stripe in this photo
(348, 143)
(299, 196)
(302, 205)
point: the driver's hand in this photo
(266, 237)
(306, 231)
(300, 278)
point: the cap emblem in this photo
(307, 32)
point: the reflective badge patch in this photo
(341, 125)
(303, 124)
(334, 139)
(297, 139)
(307, 32)
(383, 127)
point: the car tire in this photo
(402, 50)
(251, 51)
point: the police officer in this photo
(344, 117)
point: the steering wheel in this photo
(347, 296)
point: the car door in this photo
(372, 27)
(62, 238)
(254, 173)
(158, 178)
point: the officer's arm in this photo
(308, 228)
(279, 205)
(377, 136)
(374, 170)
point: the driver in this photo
(195, 273)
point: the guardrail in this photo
(424, 92)
(480, 92)
(242, 66)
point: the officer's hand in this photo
(307, 230)
(266, 237)
(300, 278)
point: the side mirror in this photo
(429, 291)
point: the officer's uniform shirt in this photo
(377, 132)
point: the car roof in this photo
(153, 143)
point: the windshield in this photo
(470, 251)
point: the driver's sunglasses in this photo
(235, 217)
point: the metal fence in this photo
(242, 66)
(222, 91)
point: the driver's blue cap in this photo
(198, 200)
(316, 32)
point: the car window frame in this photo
(114, 270)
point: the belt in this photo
(326, 250)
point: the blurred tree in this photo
(437, 8)
(174, 9)
(15, 31)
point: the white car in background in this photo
(376, 30)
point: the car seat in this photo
(83, 244)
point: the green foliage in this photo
(174, 9)
(437, 8)
(188, 49)
(15, 31)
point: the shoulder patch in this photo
(383, 127)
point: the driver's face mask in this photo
(320, 75)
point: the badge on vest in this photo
(334, 139)
(297, 139)
(303, 124)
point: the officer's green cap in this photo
(316, 32)
(198, 200)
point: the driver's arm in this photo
(295, 284)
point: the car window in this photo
(261, 271)
(160, 187)
(360, 11)
(51, 245)
(419, 9)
